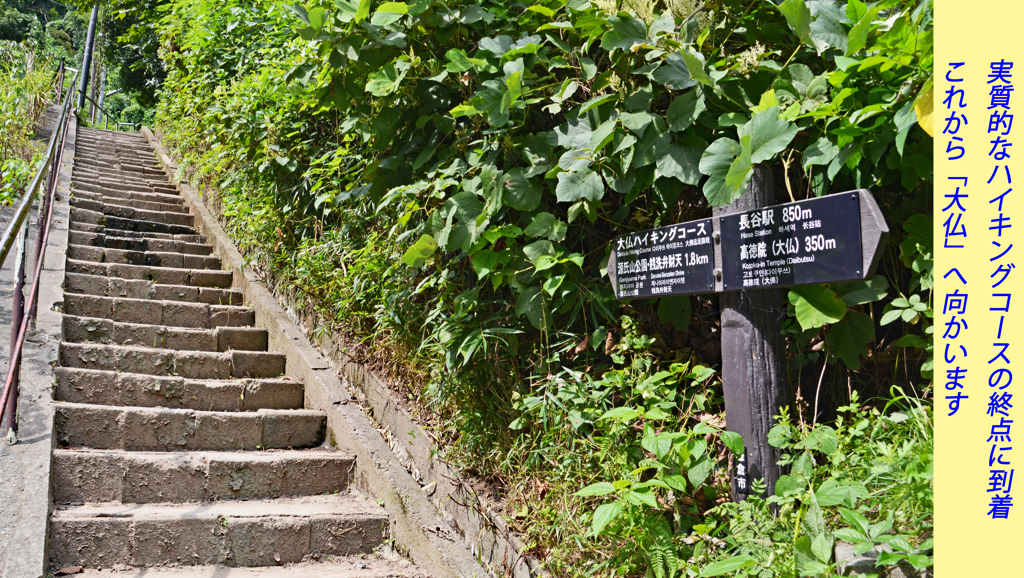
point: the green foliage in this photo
(24, 95)
(440, 182)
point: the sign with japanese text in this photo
(673, 260)
(822, 240)
(813, 241)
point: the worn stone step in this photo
(338, 567)
(135, 203)
(111, 173)
(158, 312)
(168, 217)
(142, 193)
(81, 215)
(131, 242)
(160, 275)
(170, 259)
(143, 289)
(233, 533)
(107, 427)
(96, 476)
(188, 364)
(100, 229)
(102, 387)
(91, 329)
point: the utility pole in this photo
(90, 40)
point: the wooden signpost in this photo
(748, 251)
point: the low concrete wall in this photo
(25, 550)
(417, 527)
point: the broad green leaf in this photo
(923, 108)
(604, 515)
(530, 304)
(486, 260)
(675, 310)
(727, 566)
(598, 489)
(498, 45)
(417, 255)
(602, 135)
(459, 61)
(768, 100)
(674, 74)
(317, 16)
(521, 193)
(362, 12)
(780, 435)
(790, 485)
(816, 305)
(546, 225)
(828, 27)
(798, 16)
(769, 135)
(386, 80)
(575, 159)
(715, 163)
(857, 521)
(596, 101)
(695, 65)
(858, 37)
(861, 292)
(814, 520)
(734, 442)
(848, 340)
(684, 110)
(621, 413)
(822, 439)
(821, 547)
(820, 152)
(833, 492)
(699, 471)
(534, 251)
(625, 33)
(741, 169)
(389, 13)
(681, 162)
(584, 184)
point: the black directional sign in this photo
(823, 240)
(812, 241)
(673, 260)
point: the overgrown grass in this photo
(25, 83)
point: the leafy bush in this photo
(441, 182)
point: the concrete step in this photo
(150, 429)
(111, 172)
(188, 364)
(101, 387)
(136, 203)
(81, 215)
(153, 312)
(100, 229)
(120, 188)
(143, 289)
(338, 567)
(232, 533)
(97, 476)
(160, 275)
(170, 259)
(132, 242)
(91, 329)
(167, 217)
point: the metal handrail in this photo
(19, 330)
(89, 98)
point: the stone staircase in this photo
(180, 440)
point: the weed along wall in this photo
(443, 185)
